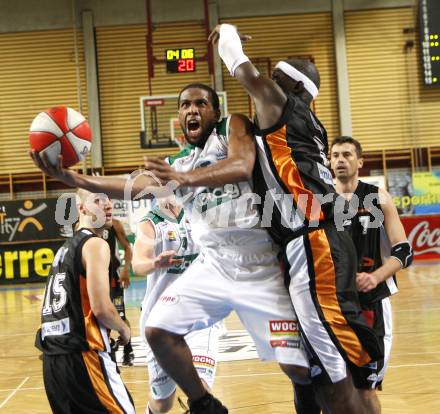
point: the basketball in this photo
(61, 130)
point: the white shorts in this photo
(248, 281)
(204, 349)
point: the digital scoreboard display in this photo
(430, 39)
(180, 60)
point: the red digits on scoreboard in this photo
(190, 65)
(185, 65)
(181, 65)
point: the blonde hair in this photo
(81, 195)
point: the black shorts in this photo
(370, 376)
(85, 383)
(117, 296)
(320, 274)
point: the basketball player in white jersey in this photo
(164, 249)
(237, 268)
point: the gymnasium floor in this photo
(246, 386)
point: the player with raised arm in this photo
(237, 268)
(163, 250)
(382, 249)
(76, 318)
(320, 261)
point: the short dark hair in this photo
(344, 139)
(308, 68)
(212, 94)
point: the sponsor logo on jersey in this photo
(284, 334)
(55, 328)
(169, 300)
(367, 262)
(325, 174)
(284, 343)
(203, 360)
(171, 235)
(283, 327)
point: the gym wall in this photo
(390, 107)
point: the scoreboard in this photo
(180, 60)
(430, 39)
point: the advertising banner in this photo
(426, 187)
(401, 189)
(29, 239)
(424, 235)
(27, 262)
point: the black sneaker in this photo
(208, 404)
(127, 360)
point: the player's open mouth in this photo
(193, 128)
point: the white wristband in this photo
(230, 49)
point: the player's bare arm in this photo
(128, 254)
(114, 187)
(144, 259)
(268, 97)
(237, 167)
(401, 254)
(98, 286)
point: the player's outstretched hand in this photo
(166, 259)
(56, 171)
(215, 35)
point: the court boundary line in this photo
(258, 374)
(13, 392)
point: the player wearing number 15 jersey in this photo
(76, 318)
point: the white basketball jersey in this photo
(171, 234)
(228, 206)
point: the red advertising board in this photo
(424, 235)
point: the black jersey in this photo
(109, 235)
(371, 241)
(292, 172)
(67, 322)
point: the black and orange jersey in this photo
(371, 241)
(67, 322)
(292, 175)
(109, 235)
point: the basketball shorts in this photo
(320, 269)
(204, 348)
(117, 296)
(370, 376)
(245, 278)
(86, 383)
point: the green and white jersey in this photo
(225, 207)
(171, 234)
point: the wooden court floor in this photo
(412, 384)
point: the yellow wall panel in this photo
(37, 71)
(280, 37)
(123, 78)
(391, 108)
